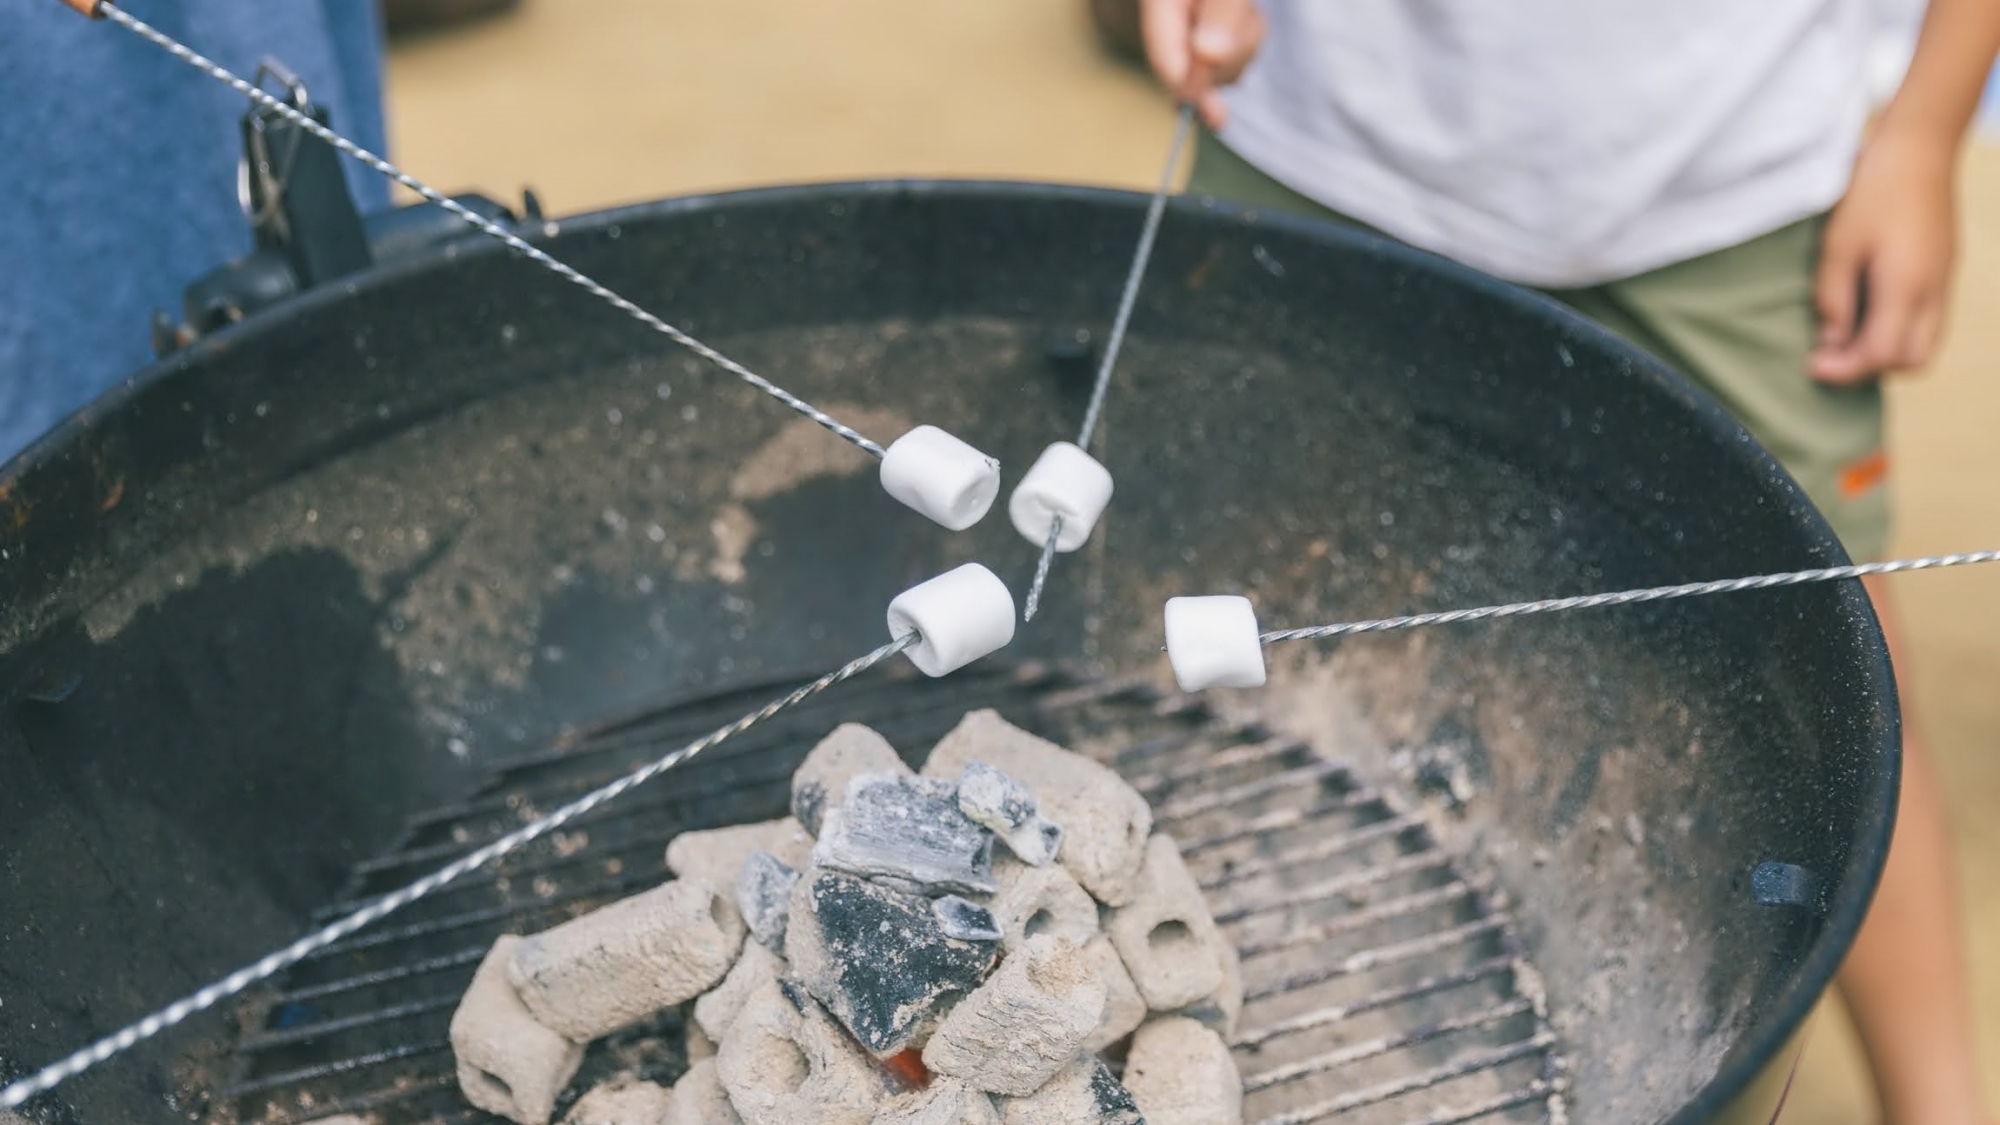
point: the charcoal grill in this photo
(326, 598)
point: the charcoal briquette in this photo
(1040, 900)
(717, 854)
(718, 1008)
(965, 920)
(764, 897)
(1180, 1073)
(1009, 809)
(622, 1103)
(1105, 822)
(1083, 1093)
(699, 1098)
(1124, 1008)
(786, 1063)
(508, 1062)
(943, 1102)
(879, 959)
(820, 782)
(1022, 1026)
(1166, 936)
(907, 832)
(628, 961)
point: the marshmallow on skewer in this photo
(959, 616)
(941, 476)
(1213, 642)
(1064, 481)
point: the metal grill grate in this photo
(1383, 985)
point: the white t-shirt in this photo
(1560, 142)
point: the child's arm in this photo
(1885, 268)
(1197, 46)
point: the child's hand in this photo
(1885, 266)
(1197, 46)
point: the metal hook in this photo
(290, 82)
(272, 180)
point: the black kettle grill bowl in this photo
(282, 589)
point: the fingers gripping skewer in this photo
(928, 469)
(1214, 642)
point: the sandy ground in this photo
(599, 102)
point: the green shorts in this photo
(1738, 322)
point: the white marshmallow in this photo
(941, 476)
(960, 616)
(1064, 481)
(1212, 642)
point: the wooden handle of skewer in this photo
(87, 7)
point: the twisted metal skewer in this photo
(515, 242)
(277, 961)
(1042, 571)
(1628, 597)
(1127, 300)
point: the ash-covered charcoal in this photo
(909, 833)
(1223, 1008)
(943, 1102)
(1085, 1093)
(622, 1103)
(1109, 1098)
(1124, 1008)
(994, 799)
(878, 958)
(820, 782)
(508, 1062)
(1040, 900)
(1000, 803)
(965, 920)
(717, 854)
(1180, 1073)
(717, 1009)
(1105, 822)
(1024, 1024)
(1166, 936)
(785, 1063)
(694, 1041)
(764, 897)
(699, 1098)
(628, 961)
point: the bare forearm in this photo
(1893, 236)
(1947, 75)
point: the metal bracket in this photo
(294, 191)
